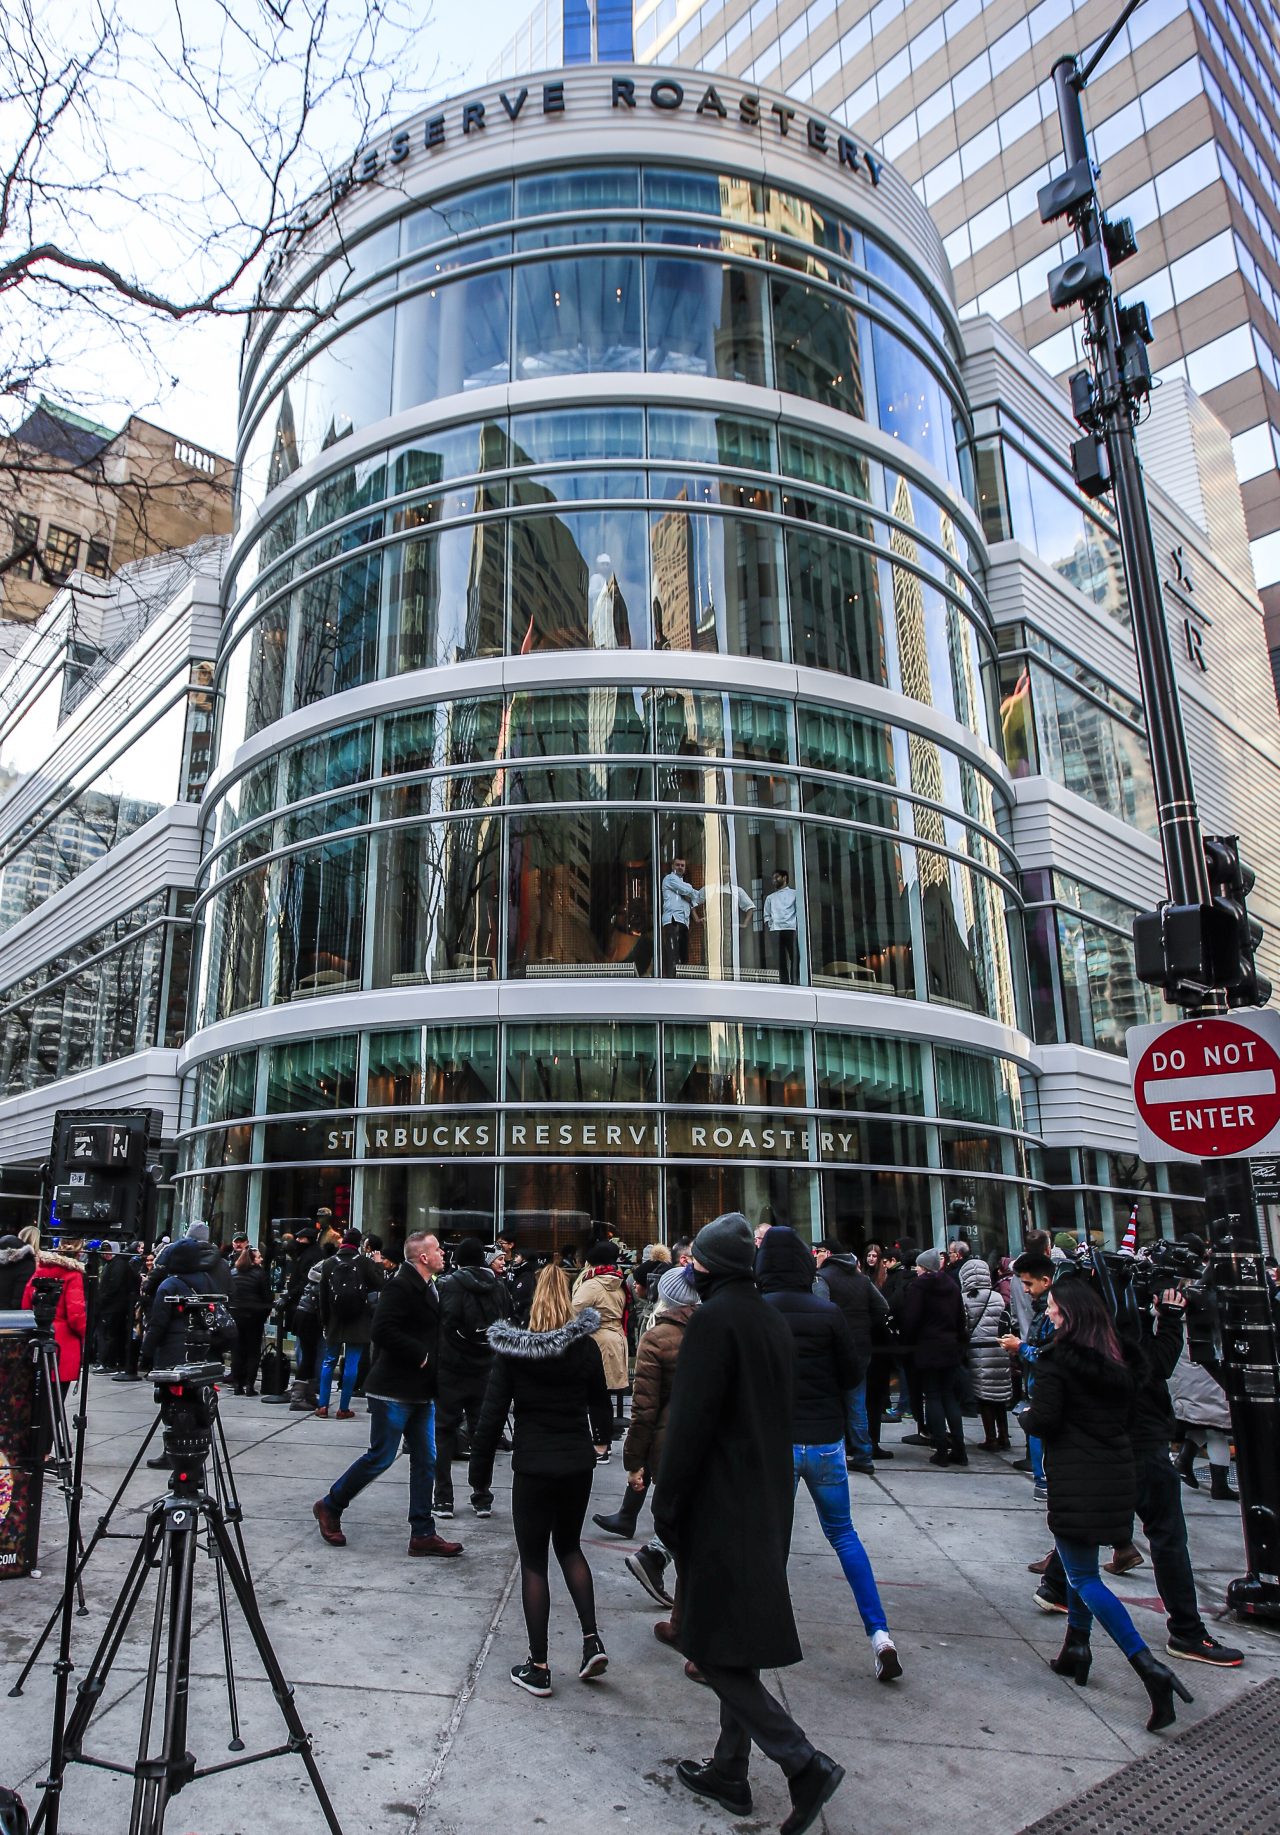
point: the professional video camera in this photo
(1132, 1283)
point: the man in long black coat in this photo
(724, 1496)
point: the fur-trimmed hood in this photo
(49, 1259)
(510, 1340)
(9, 1256)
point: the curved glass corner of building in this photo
(616, 616)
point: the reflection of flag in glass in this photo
(1015, 724)
(610, 629)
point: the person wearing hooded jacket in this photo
(17, 1265)
(933, 1323)
(725, 1497)
(985, 1314)
(70, 1321)
(866, 1313)
(472, 1298)
(187, 1268)
(600, 1287)
(1080, 1409)
(827, 1368)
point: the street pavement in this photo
(401, 1666)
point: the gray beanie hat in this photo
(676, 1288)
(726, 1246)
(198, 1232)
(930, 1260)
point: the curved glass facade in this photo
(618, 269)
(499, 780)
(533, 835)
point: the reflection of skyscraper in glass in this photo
(913, 665)
(684, 616)
(610, 630)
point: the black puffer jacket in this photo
(556, 1381)
(250, 1293)
(17, 1265)
(188, 1268)
(933, 1321)
(827, 1363)
(865, 1309)
(1080, 1408)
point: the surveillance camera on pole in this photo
(1199, 944)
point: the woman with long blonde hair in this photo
(553, 1374)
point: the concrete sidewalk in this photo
(401, 1666)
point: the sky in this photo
(202, 357)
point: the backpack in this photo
(348, 1296)
(479, 1311)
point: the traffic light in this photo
(1233, 936)
(1189, 949)
(101, 1182)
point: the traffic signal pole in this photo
(1180, 839)
(1240, 1349)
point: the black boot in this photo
(1162, 1685)
(623, 1520)
(1074, 1658)
(1220, 1490)
(1184, 1464)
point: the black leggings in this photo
(550, 1512)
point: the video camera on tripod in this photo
(1131, 1283)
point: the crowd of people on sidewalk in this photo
(754, 1362)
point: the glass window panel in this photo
(447, 598)
(704, 194)
(577, 315)
(869, 1071)
(345, 386)
(455, 216)
(831, 741)
(582, 1063)
(861, 1207)
(436, 903)
(312, 1074)
(580, 893)
(729, 863)
(570, 436)
(316, 920)
(815, 344)
(337, 623)
(556, 1207)
(562, 723)
(859, 911)
(606, 188)
(395, 1068)
(836, 615)
(710, 439)
(827, 462)
(715, 584)
(452, 338)
(761, 729)
(912, 405)
(453, 452)
(764, 1194)
(461, 1064)
(579, 581)
(235, 943)
(449, 1201)
(267, 646)
(705, 319)
(718, 1062)
(343, 756)
(225, 1087)
(459, 732)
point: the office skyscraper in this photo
(1185, 121)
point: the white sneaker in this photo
(888, 1665)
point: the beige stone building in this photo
(77, 496)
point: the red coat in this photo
(70, 1319)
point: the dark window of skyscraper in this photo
(577, 32)
(613, 31)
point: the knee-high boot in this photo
(624, 1519)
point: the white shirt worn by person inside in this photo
(780, 909)
(678, 899)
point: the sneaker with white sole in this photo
(444, 1511)
(595, 1659)
(480, 1509)
(533, 1678)
(888, 1662)
(650, 1571)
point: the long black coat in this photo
(17, 1265)
(933, 1321)
(865, 1308)
(1080, 1407)
(726, 1486)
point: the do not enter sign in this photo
(1207, 1087)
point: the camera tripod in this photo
(192, 1505)
(54, 1435)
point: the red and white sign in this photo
(1207, 1087)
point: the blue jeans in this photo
(1088, 1598)
(1035, 1451)
(389, 1423)
(855, 1423)
(332, 1352)
(822, 1468)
